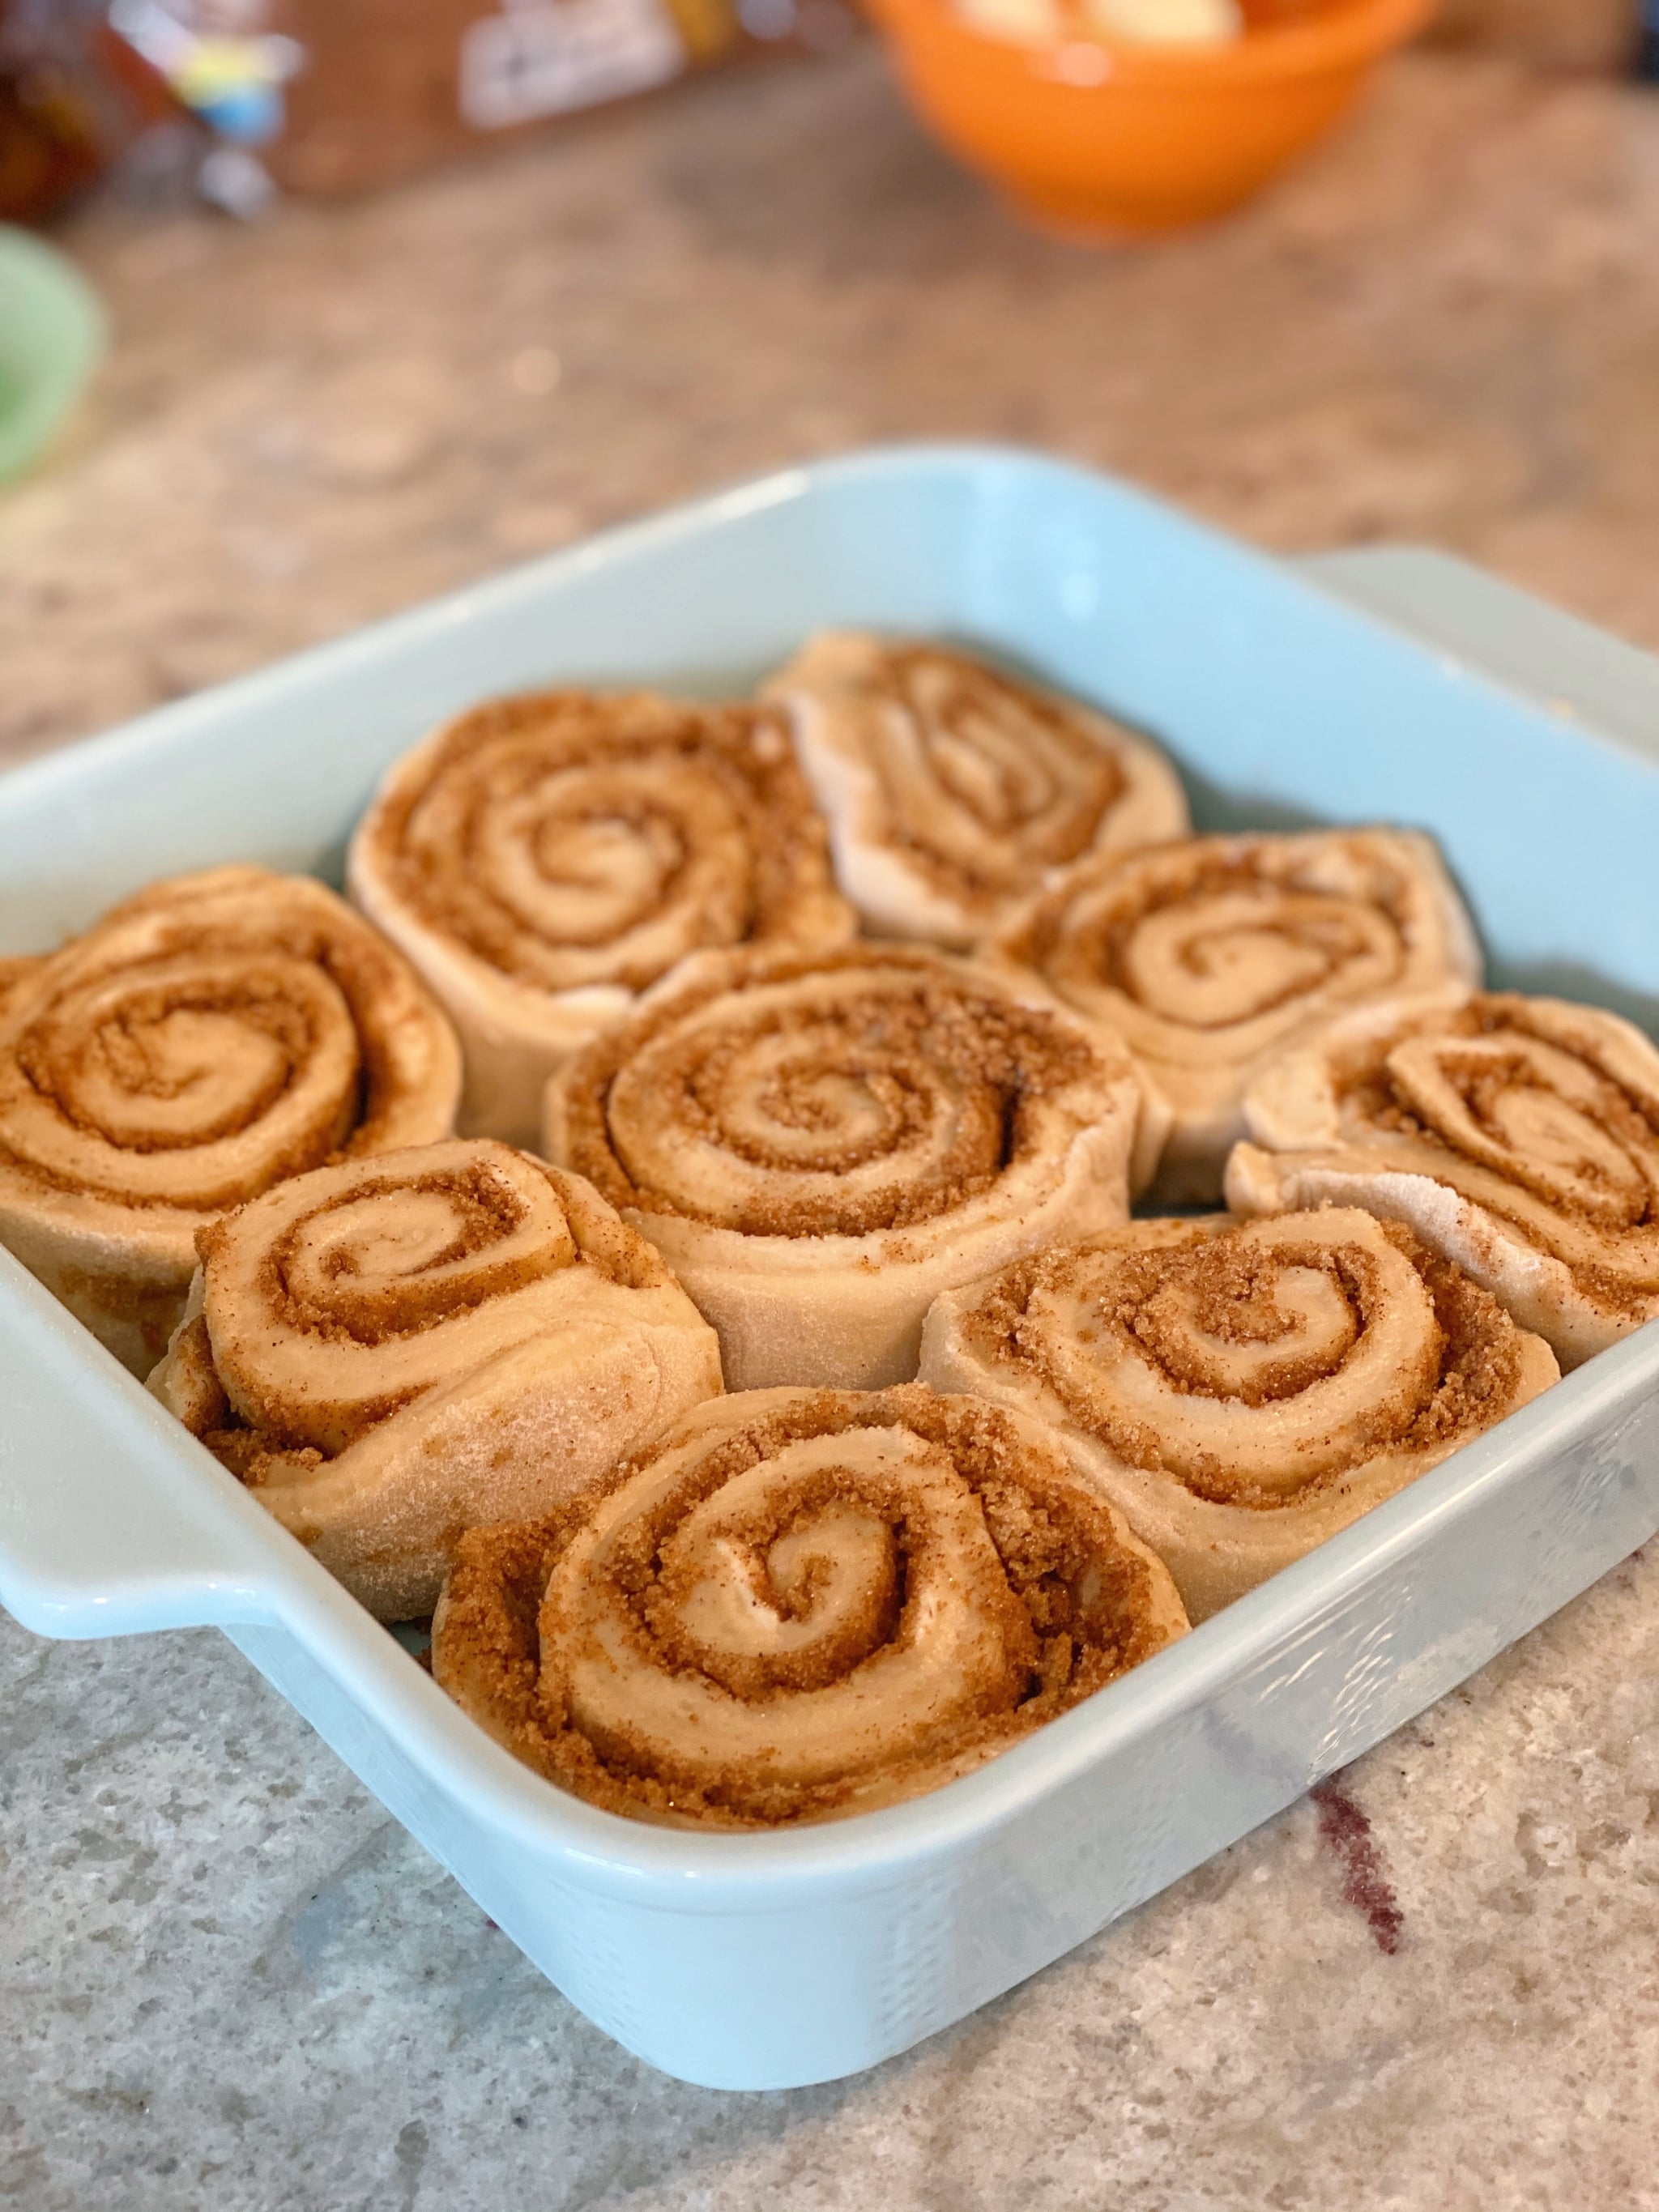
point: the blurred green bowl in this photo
(51, 338)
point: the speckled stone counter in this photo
(227, 1980)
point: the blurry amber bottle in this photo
(72, 99)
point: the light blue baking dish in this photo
(759, 1962)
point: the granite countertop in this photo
(227, 1979)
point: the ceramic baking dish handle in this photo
(80, 1554)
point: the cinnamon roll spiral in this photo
(1242, 1391)
(388, 1351)
(801, 1605)
(1519, 1136)
(950, 788)
(545, 858)
(207, 1038)
(1212, 957)
(819, 1144)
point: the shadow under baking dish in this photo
(766, 1961)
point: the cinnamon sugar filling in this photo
(175, 1064)
(1014, 765)
(337, 1292)
(1525, 1118)
(780, 1592)
(214, 1036)
(393, 1263)
(903, 1101)
(104, 1072)
(569, 839)
(1164, 1355)
(1208, 940)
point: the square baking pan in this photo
(1398, 688)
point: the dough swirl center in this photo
(337, 1299)
(849, 1100)
(1253, 1364)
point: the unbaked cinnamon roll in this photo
(819, 1144)
(802, 1604)
(1212, 957)
(207, 1038)
(1242, 1391)
(950, 788)
(545, 858)
(390, 1350)
(1519, 1136)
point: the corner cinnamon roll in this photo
(820, 1144)
(952, 788)
(388, 1351)
(1519, 1136)
(1242, 1391)
(801, 1605)
(545, 858)
(1212, 957)
(207, 1038)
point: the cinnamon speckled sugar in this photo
(800, 1605)
(1242, 1390)
(819, 1144)
(389, 1352)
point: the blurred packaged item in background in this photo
(73, 100)
(217, 60)
(229, 73)
(332, 96)
(371, 90)
(1584, 34)
(388, 89)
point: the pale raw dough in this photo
(800, 1605)
(543, 858)
(950, 788)
(1519, 1136)
(819, 1145)
(1212, 957)
(208, 1036)
(453, 1335)
(1242, 1391)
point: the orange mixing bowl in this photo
(1121, 140)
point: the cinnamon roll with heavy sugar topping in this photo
(1212, 957)
(801, 1604)
(1519, 1136)
(207, 1038)
(545, 858)
(950, 788)
(391, 1351)
(819, 1144)
(1242, 1391)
